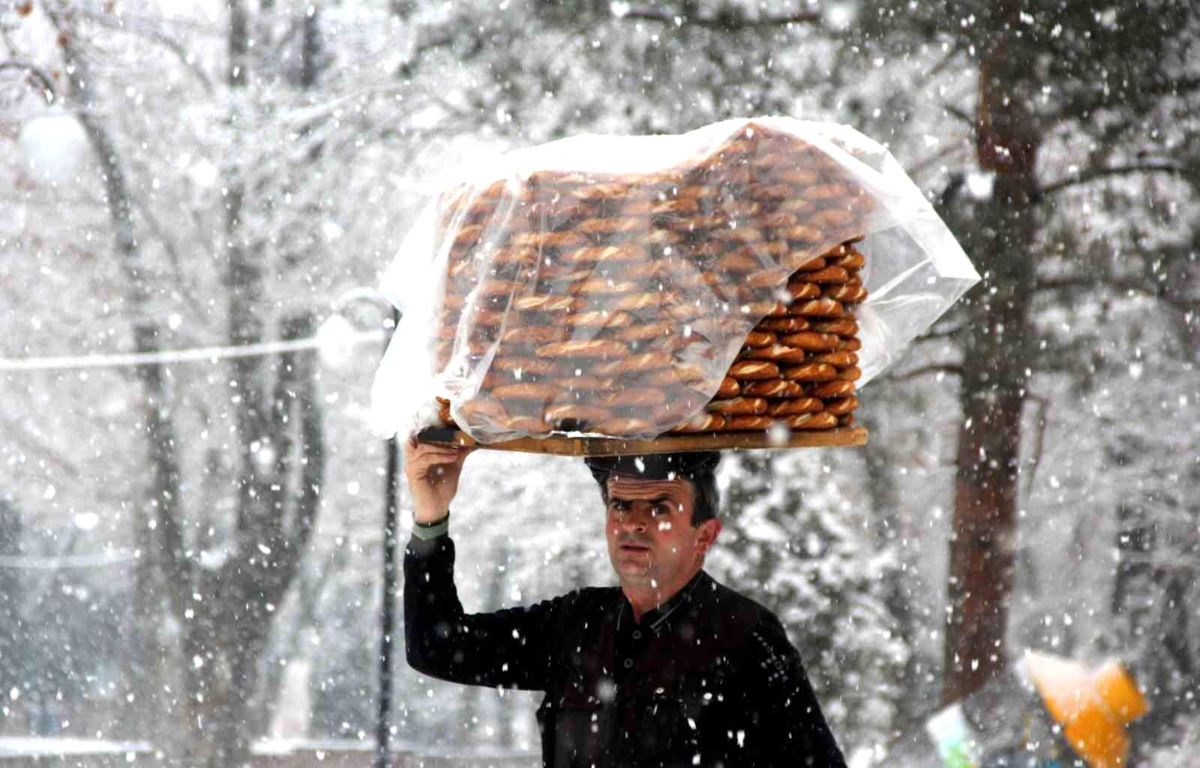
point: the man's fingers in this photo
(428, 460)
(431, 462)
(436, 454)
(435, 448)
(434, 464)
(423, 448)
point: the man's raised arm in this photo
(505, 648)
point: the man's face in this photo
(651, 540)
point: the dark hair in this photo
(704, 483)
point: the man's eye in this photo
(662, 509)
(618, 505)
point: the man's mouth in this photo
(633, 546)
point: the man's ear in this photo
(709, 530)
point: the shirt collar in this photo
(655, 618)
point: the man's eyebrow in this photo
(658, 498)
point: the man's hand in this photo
(432, 472)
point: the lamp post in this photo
(391, 501)
(337, 337)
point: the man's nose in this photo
(635, 520)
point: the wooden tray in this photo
(610, 446)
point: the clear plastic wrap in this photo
(605, 284)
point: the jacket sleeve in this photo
(790, 728)
(508, 648)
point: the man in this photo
(669, 669)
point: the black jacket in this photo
(707, 679)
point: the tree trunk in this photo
(309, 590)
(995, 374)
(158, 427)
(225, 612)
(14, 644)
(232, 742)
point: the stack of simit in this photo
(613, 303)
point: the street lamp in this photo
(340, 333)
(55, 146)
(336, 338)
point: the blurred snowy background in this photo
(190, 544)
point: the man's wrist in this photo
(431, 529)
(421, 517)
